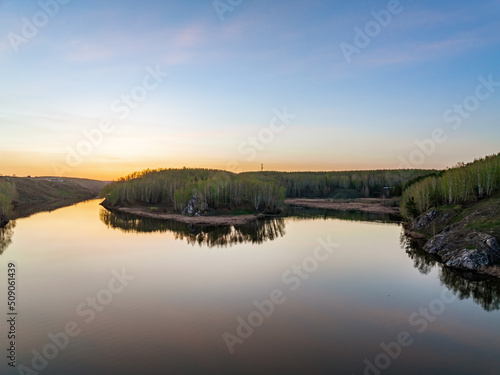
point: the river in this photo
(316, 292)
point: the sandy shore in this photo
(198, 220)
(364, 205)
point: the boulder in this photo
(424, 220)
(195, 207)
(471, 252)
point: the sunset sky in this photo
(186, 83)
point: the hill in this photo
(93, 185)
(456, 215)
(24, 196)
(252, 192)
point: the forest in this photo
(263, 192)
(345, 185)
(216, 189)
(458, 185)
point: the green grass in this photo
(484, 225)
(456, 207)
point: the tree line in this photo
(345, 184)
(215, 189)
(262, 191)
(460, 184)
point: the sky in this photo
(100, 88)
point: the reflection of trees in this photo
(484, 290)
(6, 235)
(422, 261)
(255, 232)
(301, 213)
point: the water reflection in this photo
(256, 232)
(422, 260)
(296, 212)
(484, 290)
(6, 235)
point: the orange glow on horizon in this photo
(115, 171)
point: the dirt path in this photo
(364, 205)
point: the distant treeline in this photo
(461, 184)
(344, 185)
(262, 191)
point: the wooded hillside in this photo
(461, 184)
(263, 191)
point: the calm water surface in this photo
(189, 289)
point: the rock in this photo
(435, 244)
(424, 220)
(493, 244)
(463, 238)
(466, 259)
(470, 252)
(195, 207)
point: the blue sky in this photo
(227, 77)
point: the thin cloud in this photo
(422, 51)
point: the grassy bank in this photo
(24, 196)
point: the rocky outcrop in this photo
(433, 221)
(195, 207)
(462, 239)
(471, 252)
(424, 221)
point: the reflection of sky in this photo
(184, 297)
(227, 77)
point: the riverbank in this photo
(196, 220)
(370, 205)
(40, 194)
(462, 237)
